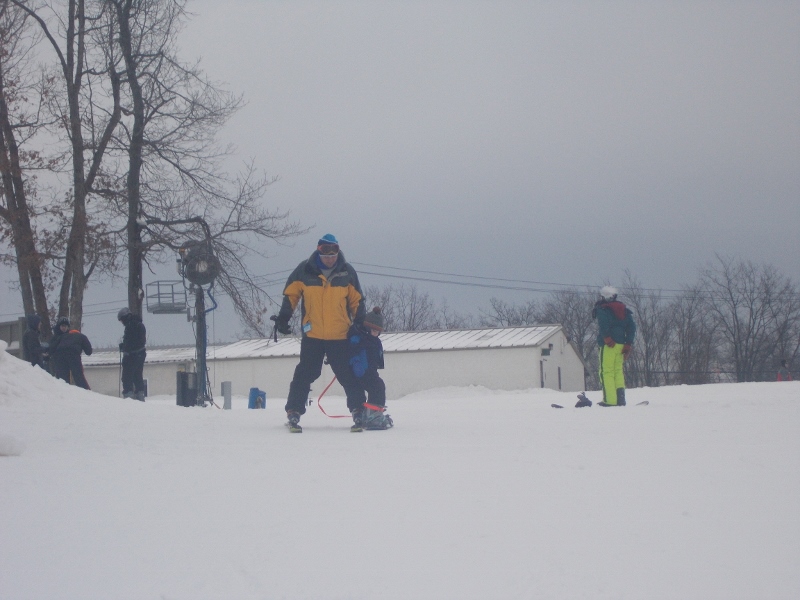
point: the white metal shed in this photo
(510, 358)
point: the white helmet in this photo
(609, 293)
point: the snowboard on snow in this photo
(584, 401)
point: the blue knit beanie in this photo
(328, 238)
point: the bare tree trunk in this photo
(135, 149)
(34, 298)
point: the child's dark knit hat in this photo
(374, 319)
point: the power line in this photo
(523, 283)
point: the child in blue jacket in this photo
(366, 359)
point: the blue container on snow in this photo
(257, 399)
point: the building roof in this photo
(411, 341)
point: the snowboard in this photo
(642, 403)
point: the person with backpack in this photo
(31, 344)
(615, 336)
(65, 351)
(366, 358)
(133, 351)
(327, 288)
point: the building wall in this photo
(161, 378)
(271, 375)
(405, 372)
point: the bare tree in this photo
(785, 312)
(140, 127)
(693, 345)
(446, 318)
(750, 306)
(503, 314)
(66, 27)
(649, 362)
(404, 307)
(21, 96)
(174, 164)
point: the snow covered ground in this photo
(475, 494)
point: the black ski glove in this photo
(282, 325)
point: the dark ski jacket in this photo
(31, 344)
(330, 304)
(614, 320)
(134, 338)
(70, 344)
(366, 351)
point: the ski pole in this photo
(274, 319)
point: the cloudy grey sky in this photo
(558, 142)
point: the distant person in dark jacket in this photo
(60, 328)
(784, 374)
(65, 352)
(133, 352)
(31, 344)
(616, 332)
(366, 359)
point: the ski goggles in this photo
(328, 249)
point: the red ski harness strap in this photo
(319, 404)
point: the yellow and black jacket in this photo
(330, 304)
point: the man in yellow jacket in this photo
(332, 301)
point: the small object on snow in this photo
(11, 446)
(556, 406)
(583, 400)
(643, 403)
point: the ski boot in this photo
(375, 417)
(358, 420)
(293, 422)
(583, 400)
(621, 397)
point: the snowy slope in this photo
(475, 494)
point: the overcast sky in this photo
(559, 142)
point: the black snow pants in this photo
(132, 368)
(374, 386)
(308, 370)
(69, 363)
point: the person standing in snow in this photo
(328, 287)
(366, 358)
(60, 328)
(133, 352)
(65, 350)
(616, 332)
(784, 374)
(31, 344)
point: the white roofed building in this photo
(510, 358)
